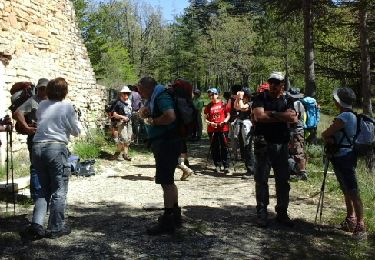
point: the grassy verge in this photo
(21, 166)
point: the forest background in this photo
(319, 44)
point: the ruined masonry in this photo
(40, 38)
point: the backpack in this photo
(364, 139)
(186, 113)
(20, 91)
(312, 112)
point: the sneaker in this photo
(302, 176)
(284, 220)
(348, 224)
(126, 157)
(217, 169)
(63, 232)
(359, 232)
(186, 173)
(33, 232)
(165, 225)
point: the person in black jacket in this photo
(272, 112)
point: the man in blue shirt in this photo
(160, 119)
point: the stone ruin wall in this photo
(40, 38)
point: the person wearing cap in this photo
(243, 125)
(122, 112)
(198, 104)
(217, 117)
(272, 112)
(25, 115)
(297, 155)
(340, 135)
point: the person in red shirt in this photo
(217, 117)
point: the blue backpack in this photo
(312, 112)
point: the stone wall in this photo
(40, 38)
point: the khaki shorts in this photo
(125, 133)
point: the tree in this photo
(310, 87)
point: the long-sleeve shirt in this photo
(56, 121)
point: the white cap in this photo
(276, 75)
(125, 89)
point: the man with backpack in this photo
(160, 117)
(272, 112)
(25, 115)
(312, 119)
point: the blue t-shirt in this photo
(350, 128)
(163, 102)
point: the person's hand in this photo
(125, 118)
(30, 130)
(144, 112)
(214, 125)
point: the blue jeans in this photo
(53, 169)
(34, 181)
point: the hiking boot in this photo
(301, 176)
(63, 232)
(119, 156)
(33, 232)
(283, 219)
(116, 156)
(165, 225)
(359, 232)
(348, 224)
(186, 162)
(217, 169)
(126, 157)
(227, 171)
(262, 218)
(186, 172)
(177, 217)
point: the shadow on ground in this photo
(116, 231)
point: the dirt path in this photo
(110, 211)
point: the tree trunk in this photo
(310, 87)
(365, 59)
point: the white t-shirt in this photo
(56, 121)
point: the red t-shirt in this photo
(216, 113)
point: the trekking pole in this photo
(12, 170)
(7, 167)
(319, 209)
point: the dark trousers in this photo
(219, 148)
(269, 155)
(247, 152)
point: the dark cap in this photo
(43, 82)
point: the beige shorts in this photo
(125, 133)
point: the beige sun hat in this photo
(345, 97)
(125, 89)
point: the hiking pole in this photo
(7, 167)
(12, 170)
(319, 208)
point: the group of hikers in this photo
(267, 127)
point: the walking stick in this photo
(319, 209)
(12, 170)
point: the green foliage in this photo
(21, 167)
(91, 146)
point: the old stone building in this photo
(40, 38)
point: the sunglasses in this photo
(274, 82)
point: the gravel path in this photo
(110, 211)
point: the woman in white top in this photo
(56, 121)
